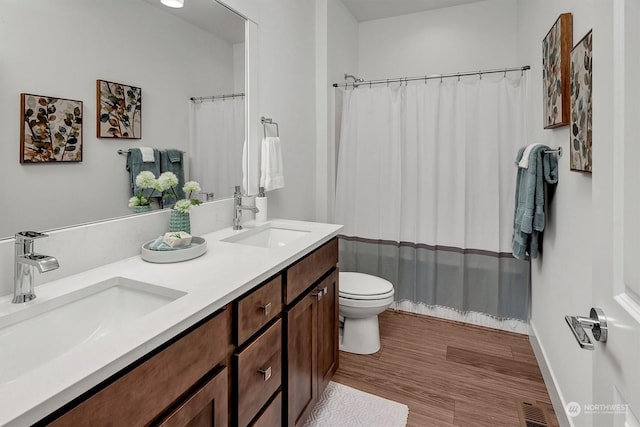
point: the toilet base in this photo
(360, 336)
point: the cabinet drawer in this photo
(258, 308)
(272, 415)
(302, 275)
(141, 394)
(206, 406)
(259, 372)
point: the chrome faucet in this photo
(25, 260)
(238, 208)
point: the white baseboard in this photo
(549, 379)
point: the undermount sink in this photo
(45, 331)
(270, 236)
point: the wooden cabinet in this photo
(328, 339)
(261, 361)
(259, 371)
(302, 359)
(147, 390)
(206, 406)
(312, 330)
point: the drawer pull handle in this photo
(266, 373)
(266, 308)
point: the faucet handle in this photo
(30, 235)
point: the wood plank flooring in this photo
(448, 373)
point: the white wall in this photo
(65, 47)
(341, 46)
(461, 38)
(561, 277)
(287, 94)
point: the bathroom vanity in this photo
(252, 340)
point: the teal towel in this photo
(135, 165)
(171, 160)
(159, 245)
(529, 220)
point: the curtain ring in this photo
(505, 73)
(387, 82)
(458, 76)
(369, 84)
(480, 72)
(425, 79)
(440, 78)
(521, 72)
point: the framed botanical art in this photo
(119, 110)
(555, 72)
(581, 104)
(50, 129)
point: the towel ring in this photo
(267, 121)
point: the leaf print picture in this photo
(50, 129)
(581, 105)
(119, 110)
(555, 72)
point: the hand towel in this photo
(271, 173)
(148, 156)
(524, 162)
(135, 165)
(171, 160)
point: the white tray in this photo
(197, 248)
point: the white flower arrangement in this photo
(165, 183)
(168, 181)
(145, 181)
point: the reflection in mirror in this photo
(171, 54)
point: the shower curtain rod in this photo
(437, 76)
(214, 97)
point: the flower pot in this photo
(142, 209)
(180, 221)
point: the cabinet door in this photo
(327, 330)
(207, 406)
(302, 360)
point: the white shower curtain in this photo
(216, 145)
(425, 188)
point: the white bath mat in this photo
(342, 406)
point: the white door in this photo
(616, 212)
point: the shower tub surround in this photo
(211, 281)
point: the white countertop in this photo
(223, 273)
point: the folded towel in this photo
(524, 162)
(135, 165)
(148, 156)
(171, 160)
(159, 245)
(271, 173)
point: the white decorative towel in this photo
(271, 174)
(147, 155)
(524, 162)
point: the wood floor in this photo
(448, 373)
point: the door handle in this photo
(596, 321)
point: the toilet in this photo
(361, 298)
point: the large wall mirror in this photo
(60, 49)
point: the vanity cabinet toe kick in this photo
(262, 360)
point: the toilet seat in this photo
(360, 286)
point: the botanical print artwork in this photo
(119, 110)
(555, 72)
(50, 129)
(581, 106)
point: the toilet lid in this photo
(364, 286)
